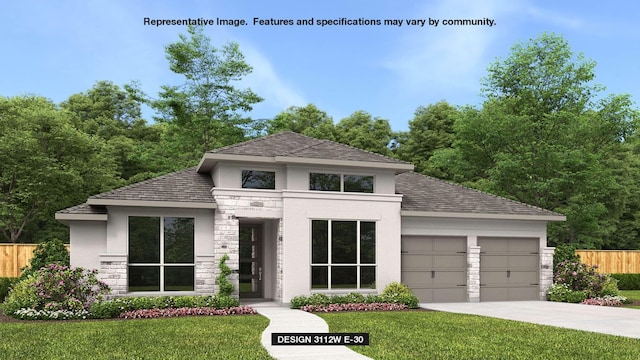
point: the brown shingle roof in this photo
(427, 194)
(292, 144)
(84, 209)
(183, 186)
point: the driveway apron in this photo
(601, 319)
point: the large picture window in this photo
(338, 182)
(343, 254)
(161, 254)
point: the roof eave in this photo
(436, 214)
(157, 204)
(66, 217)
(209, 161)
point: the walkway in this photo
(600, 319)
(285, 320)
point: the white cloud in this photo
(266, 82)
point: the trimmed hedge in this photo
(108, 309)
(5, 286)
(627, 281)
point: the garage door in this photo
(508, 269)
(435, 268)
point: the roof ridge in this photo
(483, 192)
(369, 152)
(230, 146)
(140, 183)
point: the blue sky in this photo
(58, 48)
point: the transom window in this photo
(254, 179)
(341, 182)
(343, 254)
(161, 254)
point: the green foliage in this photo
(42, 157)
(52, 251)
(564, 293)
(109, 309)
(545, 136)
(627, 281)
(610, 287)
(564, 252)
(56, 289)
(307, 120)
(204, 113)
(396, 293)
(225, 287)
(581, 277)
(362, 131)
(22, 296)
(430, 129)
(5, 286)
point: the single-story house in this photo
(298, 215)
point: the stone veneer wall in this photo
(205, 279)
(113, 272)
(473, 273)
(546, 271)
(232, 205)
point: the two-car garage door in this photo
(435, 268)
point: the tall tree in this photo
(545, 136)
(45, 164)
(206, 111)
(365, 132)
(430, 129)
(307, 120)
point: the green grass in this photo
(439, 335)
(213, 337)
(633, 295)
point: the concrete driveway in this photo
(601, 319)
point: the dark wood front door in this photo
(250, 261)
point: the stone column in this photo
(546, 271)
(473, 273)
(113, 272)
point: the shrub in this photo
(580, 277)
(5, 286)
(108, 309)
(175, 312)
(354, 307)
(225, 288)
(52, 251)
(56, 288)
(564, 293)
(399, 293)
(627, 281)
(606, 301)
(22, 296)
(610, 287)
(564, 252)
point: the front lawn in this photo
(440, 335)
(633, 296)
(206, 337)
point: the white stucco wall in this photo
(300, 207)
(88, 239)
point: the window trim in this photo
(161, 265)
(329, 264)
(342, 176)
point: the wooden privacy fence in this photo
(14, 257)
(612, 261)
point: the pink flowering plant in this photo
(581, 277)
(354, 307)
(56, 291)
(186, 311)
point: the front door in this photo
(250, 261)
